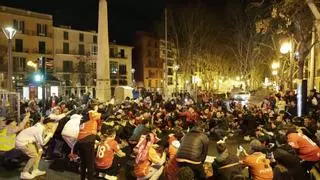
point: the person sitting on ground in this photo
(148, 163)
(306, 149)
(30, 142)
(185, 173)
(258, 163)
(193, 151)
(138, 131)
(226, 161)
(107, 165)
(287, 162)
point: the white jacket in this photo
(71, 129)
(33, 134)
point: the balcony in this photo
(35, 33)
(72, 52)
(31, 51)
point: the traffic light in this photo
(38, 77)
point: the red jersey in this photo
(105, 153)
(308, 150)
(90, 127)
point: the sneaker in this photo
(26, 175)
(110, 177)
(37, 172)
(100, 175)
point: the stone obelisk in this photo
(103, 89)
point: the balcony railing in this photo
(35, 33)
(31, 51)
(72, 52)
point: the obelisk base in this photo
(103, 91)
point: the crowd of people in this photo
(151, 137)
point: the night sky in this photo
(125, 16)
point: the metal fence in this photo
(10, 103)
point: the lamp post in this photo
(287, 47)
(9, 32)
(176, 68)
(275, 66)
(133, 71)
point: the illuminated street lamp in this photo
(274, 72)
(9, 32)
(275, 65)
(32, 64)
(133, 71)
(285, 47)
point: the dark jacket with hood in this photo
(194, 146)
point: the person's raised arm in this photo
(21, 126)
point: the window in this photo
(67, 66)
(152, 74)
(112, 52)
(149, 83)
(65, 35)
(41, 29)
(19, 64)
(18, 25)
(122, 55)
(42, 47)
(113, 68)
(95, 39)
(19, 45)
(81, 49)
(81, 67)
(65, 48)
(94, 50)
(170, 81)
(170, 71)
(81, 37)
(67, 79)
(122, 69)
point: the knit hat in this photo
(255, 145)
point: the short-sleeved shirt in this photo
(308, 150)
(259, 166)
(105, 153)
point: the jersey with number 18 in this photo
(105, 153)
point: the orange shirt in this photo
(171, 169)
(90, 127)
(259, 166)
(105, 153)
(308, 150)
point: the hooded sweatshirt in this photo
(71, 129)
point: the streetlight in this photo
(176, 68)
(285, 48)
(275, 65)
(133, 71)
(9, 32)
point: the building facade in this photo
(172, 66)
(70, 54)
(75, 55)
(34, 39)
(147, 62)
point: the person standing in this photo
(30, 142)
(86, 139)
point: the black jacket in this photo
(194, 146)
